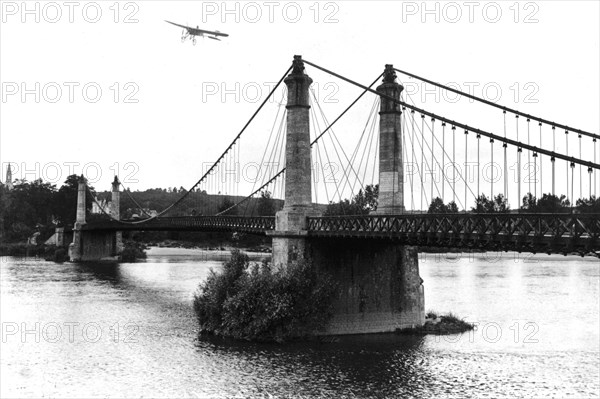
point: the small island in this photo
(440, 325)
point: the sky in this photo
(104, 87)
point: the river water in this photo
(128, 330)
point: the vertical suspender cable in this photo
(492, 175)
(595, 179)
(432, 156)
(590, 174)
(541, 165)
(572, 183)
(580, 171)
(553, 160)
(444, 159)
(505, 160)
(422, 159)
(519, 150)
(454, 163)
(466, 176)
(567, 146)
(528, 156)
(478, 164)
(412, 133)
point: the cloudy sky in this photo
(102, 86)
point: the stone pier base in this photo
(379, 287)
(94, 246)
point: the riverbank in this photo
(22, 249)
(209, 246)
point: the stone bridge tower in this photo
(289, 237)
(391, 171)
(379, 287)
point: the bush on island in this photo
(132, 251)
(253, 302)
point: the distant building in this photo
(9, 178)
(103, 206)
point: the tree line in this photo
(41, 206)
(366, 201)
(38, 206)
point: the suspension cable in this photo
(460, 125)
(366, 89)
(513, 111)
(209, 171)
(437, 162)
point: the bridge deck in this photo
(525, 232)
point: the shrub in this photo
(431, 315)
(253, 302)
(132, 251)
(60, 255)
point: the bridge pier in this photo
(94, 245)
(75, 248)
(379, 287)
(115, 213)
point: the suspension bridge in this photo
(412, 158)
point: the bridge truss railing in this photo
(258, 224)
(552, 233)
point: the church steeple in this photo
(9, 178)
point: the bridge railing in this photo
(498, 230)
(254, 224)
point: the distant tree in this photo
(266, 206)
(591, 205)
(226, 204)
(498, 204)
(361, 204)
(438, 206)
(66, 200)
(342, 207)
(529, 202)
(501, 204)
(452, 207)
(367, 200)
(549, 203)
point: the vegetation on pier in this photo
(441, 325)
(254, 302)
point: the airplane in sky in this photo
(191, 33)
